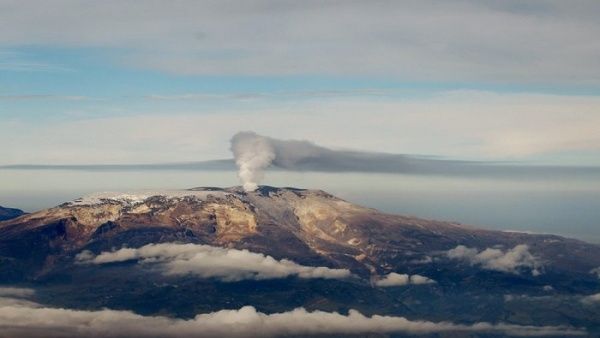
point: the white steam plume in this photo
(253, 154)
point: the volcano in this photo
(184, 252)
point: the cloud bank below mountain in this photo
(20, 319)
(228, 265)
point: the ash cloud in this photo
(396, 279)
(228, 265)
(32, 320)
(510, 261)
(255, 153)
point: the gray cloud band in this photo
(255, 153)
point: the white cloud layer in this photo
(206, 261)
(510, 261)
(20, 320)
(540, 41)
(395, 279)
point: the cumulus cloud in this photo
(510, 261)
(25, 320)
(228, 265)
(395, 279)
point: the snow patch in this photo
(139, 197)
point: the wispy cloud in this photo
(475, 124)
(27, 97)
(11, 61)
(301, 94)
(200, 166)
(228, 265)
(23, 66)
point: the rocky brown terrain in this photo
(309, 226)
(442, 270)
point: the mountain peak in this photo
(198, 193)
(309, 226)
(262, 190)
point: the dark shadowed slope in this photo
(9, 213)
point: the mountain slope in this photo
(9, 213)
(311, 227)
(101, 251)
